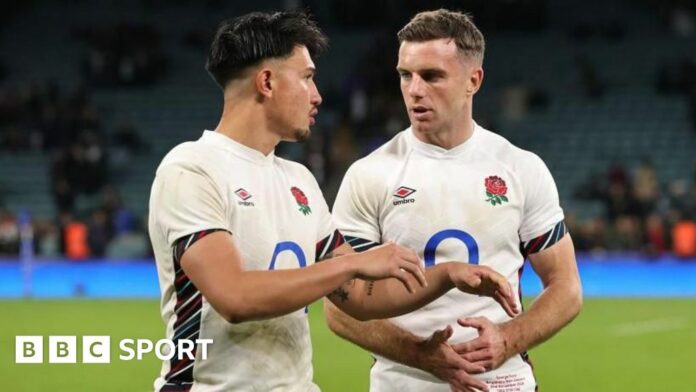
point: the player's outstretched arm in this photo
(366, 300)
(556, 306)
(215, 267)
(434, 354)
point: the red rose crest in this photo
(496, 190)
(301, 200)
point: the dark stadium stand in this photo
(582, 92)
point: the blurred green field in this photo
(615, 345)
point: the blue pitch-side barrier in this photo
(615, 276)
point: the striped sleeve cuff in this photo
(545, 240)
(183, 243)
(328, 245)
(360, 244)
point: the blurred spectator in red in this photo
(9, 233)
(76, 240)
(684, 238)
(655, 235)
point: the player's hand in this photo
(490, 349)
(436, 356)
(482, 280)
(392, 261)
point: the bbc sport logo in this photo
(97, 349)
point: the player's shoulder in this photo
(500, 149)
(385, 158)
(190, 155)
(183, 154)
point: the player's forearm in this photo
(389, 297)
(381, 337)
(556, 306)
(256, 295)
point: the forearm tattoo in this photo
(341, 293)
(370, 286)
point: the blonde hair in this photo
(442, 23)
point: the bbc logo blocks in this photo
(62, 349)
(29, 349)
(97, 349)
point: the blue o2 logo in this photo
(434, 241)
(289, 246)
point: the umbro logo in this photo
(402, 193)
(244, 195)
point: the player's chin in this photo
(422, 126)
(300, 135)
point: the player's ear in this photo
(262, 82)
(475, 80)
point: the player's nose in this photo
(416, 87)
(315, 98)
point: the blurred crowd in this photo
(125, 54)
(639, 212)
(39, 118)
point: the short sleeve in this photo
(329, 238)
(356, 207)
(542, 210)
(187, 202)
(326, 223)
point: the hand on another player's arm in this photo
(388, 265)
(391, 297)
(391, 261)
(482, 280)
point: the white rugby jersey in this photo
(475, 203)
(278, 217)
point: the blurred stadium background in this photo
(94, 93)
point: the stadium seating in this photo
(576, 135)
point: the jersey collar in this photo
(236, 148)
(439, 152)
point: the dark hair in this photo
(246, 40)
(430, 25)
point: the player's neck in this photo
(448, 138)
(248, 126)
